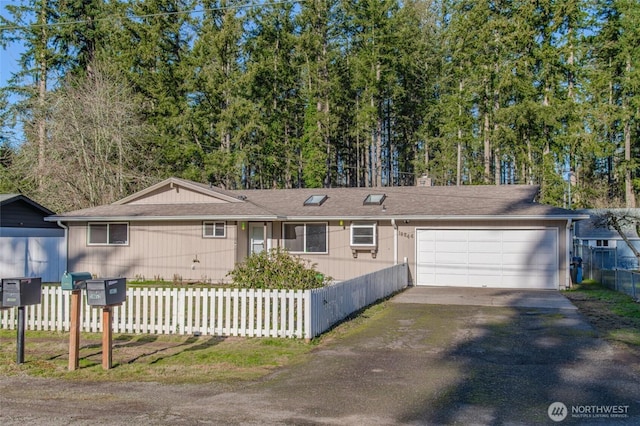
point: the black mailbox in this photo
(1, 305)
(21, 291)
(106, 291)
(74, 280)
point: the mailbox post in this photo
(107, 337)
(20, 292)
(74, 281)
(106, 293)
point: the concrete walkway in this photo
(517, 298)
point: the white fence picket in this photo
(219, 311)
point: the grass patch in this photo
(168, 359)
(615, 315)
(164, 359)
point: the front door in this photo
(256, 238)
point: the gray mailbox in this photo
(21, 291)
(106, 291)
(75, 280)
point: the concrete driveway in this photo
(499, 357)
(516, 298)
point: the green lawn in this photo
(166, 359)
(615, 315)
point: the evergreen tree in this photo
(155, 41)
(615, 100)
(30, 24)
(218, 107)
(274, 89)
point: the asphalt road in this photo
(499, 357)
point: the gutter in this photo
(161, 218)
(311, 218)
(66, 243)
(435, 218)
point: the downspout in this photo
(66, 243)
(395, 241)
(568, 251)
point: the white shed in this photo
(29, 246)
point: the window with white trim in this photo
(364, 234)
(305, 237)
(108, 234)
(214, 230)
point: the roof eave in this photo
(155, 218)
(313, 218)
(436, 217)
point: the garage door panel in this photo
(450, 258)
(427, 243)
(504, 258)
(483, 259)
(451, 235)
(517, 247)
(452, 279)
(485, 247)
(451, 246)
(484, 236)
(542, 259)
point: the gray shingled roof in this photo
(405, 202)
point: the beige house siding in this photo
(339, 263)
(169, 250)
(157, 250)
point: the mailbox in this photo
(75, 280)
(1, 305)
(106, 291)
(21, 291)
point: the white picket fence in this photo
(218, 311)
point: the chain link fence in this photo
(601, 265)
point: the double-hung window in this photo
(364, 234)
(108, 234)
(213, 229)
(305, 237)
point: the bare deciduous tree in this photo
(96, 149)
(623, 221)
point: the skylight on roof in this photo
(315, 200)
(374, 199)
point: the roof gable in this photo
(16, 210)
(177, 191)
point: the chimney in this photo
(423, 180)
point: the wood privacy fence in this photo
(219, 311)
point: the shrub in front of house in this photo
(277, 269)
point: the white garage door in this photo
(506, 258)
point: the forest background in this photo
(114, 95)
